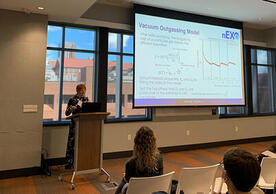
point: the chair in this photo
(268, 173)
(148, 185)
(197, 180)
(220, 185)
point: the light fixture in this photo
(40, 8)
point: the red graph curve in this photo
(218, 65)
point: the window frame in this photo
(62, 50)
(273, 68)
(121, 54)
(249, 84)
(101, 57)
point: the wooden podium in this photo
(88, 154)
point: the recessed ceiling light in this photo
(40, 8)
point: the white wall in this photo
(54, 142)
(22, 65)
(169, 133)
(173, 133)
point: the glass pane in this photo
(113, 86)
(265, 90)
(114, 42)
(54, 36)
(253, 54)
(50, 108)
(77, 70)
(221, 110)
(254, 88)
(261, 56)
(128, 44)
(235, 110)
(270, 57)
(127, 90)
(79, 39)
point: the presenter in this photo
(73, 107)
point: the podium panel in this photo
(88, 143)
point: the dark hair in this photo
(273, 148)
(242, 168)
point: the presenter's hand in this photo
(72, 108)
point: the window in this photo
(70, 61)
(66, 98)
(120, 79)
(261, 77)
(129, 98)
(110, 98)
(49, 100)
(233, 111)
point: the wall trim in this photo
(20, 172)
(124, 154)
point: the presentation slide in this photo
(180, 63)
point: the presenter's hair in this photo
(242, 168)
(80, 87)
(145, 150)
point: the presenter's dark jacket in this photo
(73, 101)
(71, 136)
(132, 171)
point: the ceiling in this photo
(255, 13)
(57, 10)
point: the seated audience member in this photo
(272, 149)
(146, 160)
(241, 171)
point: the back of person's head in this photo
(242, 168)
(145, 149)
(273, 148)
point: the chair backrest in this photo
(148, 185)
(268, 170)
(197, 180)
(256, 190)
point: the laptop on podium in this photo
(91, 107)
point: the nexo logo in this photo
(231, 35)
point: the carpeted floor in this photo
(91, 183)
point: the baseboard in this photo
(20, 172)
(124, 154)
(31, 171)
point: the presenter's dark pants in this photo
(70, 146)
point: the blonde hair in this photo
(80, 87)
(145, 150)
